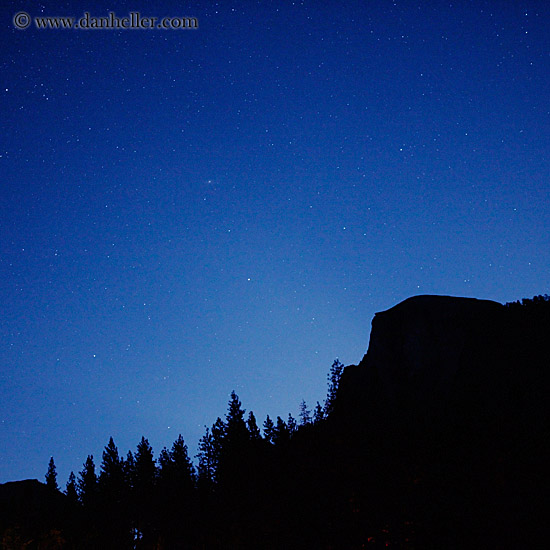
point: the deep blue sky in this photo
(184, 213)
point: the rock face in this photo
(420, 345)
(424, 352)
(449, 408)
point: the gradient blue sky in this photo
(184, 213)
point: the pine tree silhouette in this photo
(318, 413)
(111, 477)
(143, 493)
(71, 490)
(291, 424)
(333, 382)
(236, 433)
(207, 462)
(305, 414)
(87, 483)
(175, 498)
(51, 475)
(253, 429)
(281, 435)
(269, 430)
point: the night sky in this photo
(188, 212)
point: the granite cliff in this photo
(424, 352)
(448, 414)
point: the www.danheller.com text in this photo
(134, 20)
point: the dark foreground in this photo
(437, 439)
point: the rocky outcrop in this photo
(447, 415)
(420, 345)
(421, 348)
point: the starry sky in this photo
(184, 213)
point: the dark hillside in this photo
(438, 438)
(453, 394)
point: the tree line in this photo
(354, 472)
(139, 501)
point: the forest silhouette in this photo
(371, 466)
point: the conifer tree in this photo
(232, 444)
(235, 412)
(218, 438)
(291, 424)
(176, 484)
(305, 414)
(334, 376)
(253, 429)
(145, 468)
(280, 432)
(269, 430)
(87, 482)
(207, 463)
(318, 413)
(51, 475)
(129, 470)
(113, 492)
(210, 447)
(236, 433)
(113, 499)
(176, 472)
(176, 466)
(70, 489)
(164, 461)
(145, 476)
(111, 477)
